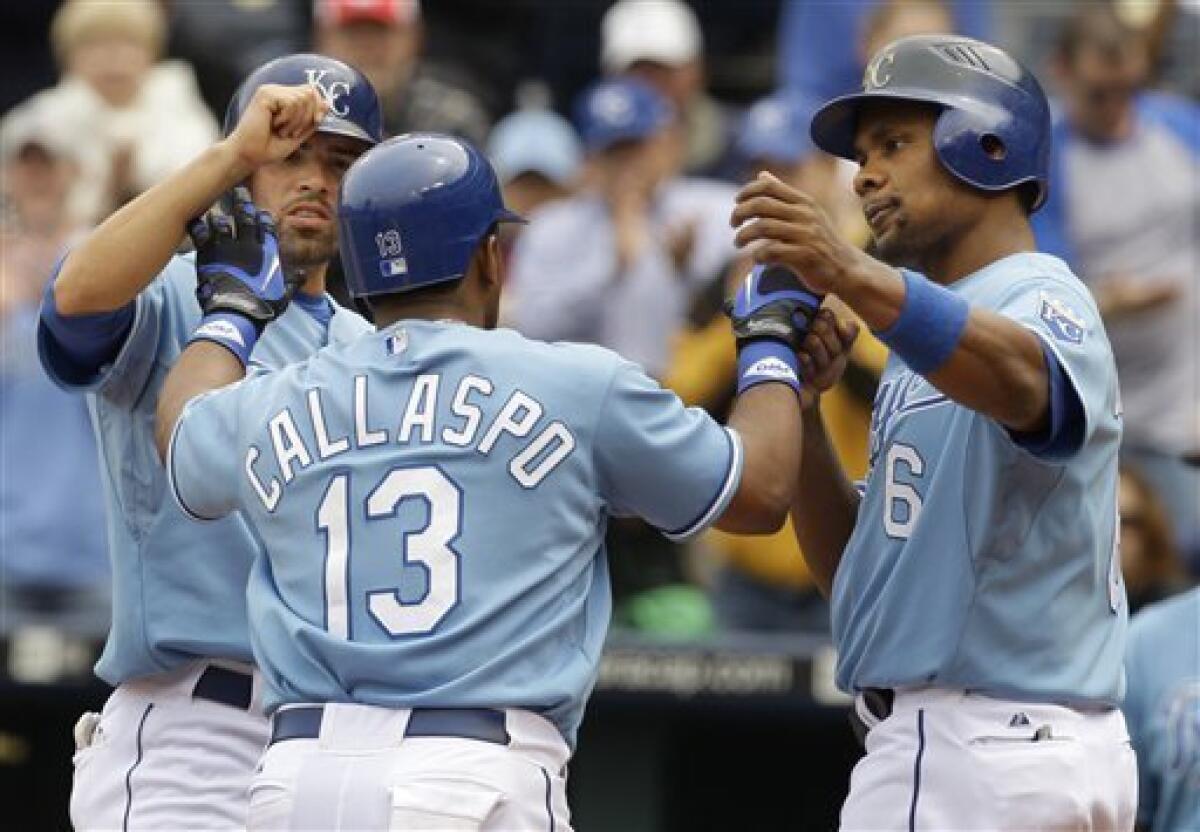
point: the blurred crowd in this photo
(622, 131)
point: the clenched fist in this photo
(277, 120)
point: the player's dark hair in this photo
(1027, 193)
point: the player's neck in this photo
(979, 246)
(314, 280)
(422, 309)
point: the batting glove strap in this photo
(764, 361)
(234, 332)
(220, 289)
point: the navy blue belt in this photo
(229, 687)
(484, 724)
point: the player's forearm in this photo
(825, 505)
(996, 366)
(767, 418)
(125, 252)
(203, 366)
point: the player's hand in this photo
(780, 224)
(277, 120)
(772, 304)
(825, 353)
(237, 263)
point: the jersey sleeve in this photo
(121, 374)
(1083, 384)
(202, 466)
(673, 466)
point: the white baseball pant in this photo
(172, 751)
(358, 767)
(949, 760)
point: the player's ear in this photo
(491, 260)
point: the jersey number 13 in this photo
(429, 547)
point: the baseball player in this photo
(177, 741)
(1163, 709)
(433, 599)
(978, 609)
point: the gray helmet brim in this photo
(835, 124)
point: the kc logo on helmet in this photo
(331, 89)
(878, 72)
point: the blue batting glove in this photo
(771, 312)
(240, 283)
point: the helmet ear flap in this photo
(972, 145)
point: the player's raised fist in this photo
(277, 120)
(782, 225)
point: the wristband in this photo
(767, 360)
(931, 321)
(234, 332)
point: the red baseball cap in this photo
(388, 12)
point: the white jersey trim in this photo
(729, 486)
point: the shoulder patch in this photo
(1064, 323)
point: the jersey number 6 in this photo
(429, 547)
(902, 502)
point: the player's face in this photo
(914, 207)
(301, 193)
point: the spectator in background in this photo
(133, 119)
(1162, 708)
(894, 19)
(1118, 145)
(537, 158)
(1149, 560)
(762, 583)
(660, 42)
(629, 252)
(53, 558)
(819, 52)
(383, 38)
(226, 40)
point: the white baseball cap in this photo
(663, 31)
(537, 141)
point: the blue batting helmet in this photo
(353, 105)
(993, 131)
(413, 210)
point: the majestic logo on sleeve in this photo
(332, 89)
(1064, 323)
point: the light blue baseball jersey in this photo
(1162, 708)
(173, 601)
(432, 499)
(974, 562)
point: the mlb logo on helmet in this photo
(1064, 323)
(391, 261)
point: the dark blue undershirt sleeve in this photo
(1065, 428)
(80, 345)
